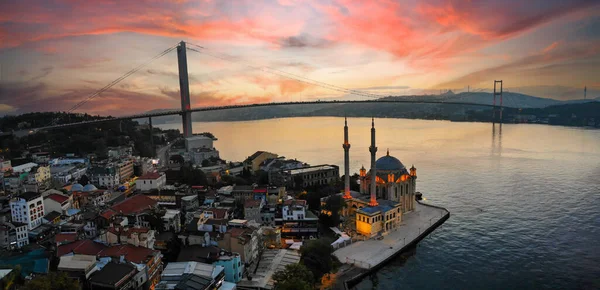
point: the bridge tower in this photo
(184, 89)
(497, 92)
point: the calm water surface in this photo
(524, 199)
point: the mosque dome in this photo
(77, 187)
(89, 187)
(388, 162)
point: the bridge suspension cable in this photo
(204, 50)
(118, 80)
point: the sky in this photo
(56, 53)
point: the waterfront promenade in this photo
(371, 253)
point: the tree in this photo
(205, 163)
(52, 281)
(317, 257)
(262, 177)
(334, 204)
(293, 277)
(193, 176)
(298, 182)
(84, 180)
(313, 199)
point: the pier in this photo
(364, 257)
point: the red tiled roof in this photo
(295, 201)
(252, 202)
(218, 213)
(84, 247)
(259, 190)
(134, 204)
(57, 197)
(128, 230)
(131, 253)
(150, 175)
(238, 232)
(61, 238)
(107, 214)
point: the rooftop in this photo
(52, 215)
(76, 262)
(131, 253)
(58, 197)
(134, 204)
(384, 206)
(84, 247)
(112, 273)
(252, 203)
(311, 169)
(30, 195)
(65, 238)
(271, 262)
(198, 253)
(150, 175)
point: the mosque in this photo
(387, 191)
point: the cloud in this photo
(4, 108)
(302, 41)
(43, 73)
(84, 63)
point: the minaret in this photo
(346, 146)
(373, 151)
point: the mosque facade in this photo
(387, 191)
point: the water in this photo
(524, 199)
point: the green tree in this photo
(193, 176)
(334, 204)
(317, 256)
(84, 180)
(52, 281)
(293, 277)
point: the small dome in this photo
(389, 163)
(77, 187)
(89, 187)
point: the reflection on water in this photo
(525, 208)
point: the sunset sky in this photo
(55, 53)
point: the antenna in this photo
(585, 92)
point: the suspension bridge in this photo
(186, 109)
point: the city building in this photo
(135, 236)
(125, 169)
(314, 175)
(172, 220)
(252, 209)
(254, 161)
(57, 202)
(64, 174)
(68, 161)
(28, 208)
(244, 241)
(90, 195)
(78, 267)
(151, 181)
(114, 275)
(198, 155)
(105, 175)
(192, 275)
(119, 152)
(199, 141)
(5, 165)
(148, 262)
(296, 221)
(135, 209)
(13, 235)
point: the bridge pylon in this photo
(184, 89)
(497, 93)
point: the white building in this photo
(109, 180)
(172, 220)
(24, 167)
(5, 165)
(293, 210)
(68, 161)
(13, 235)
(57, 202)
(28, 208)
(197, 155)
(198, 142)
(150, 181)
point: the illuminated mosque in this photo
(387, 191)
